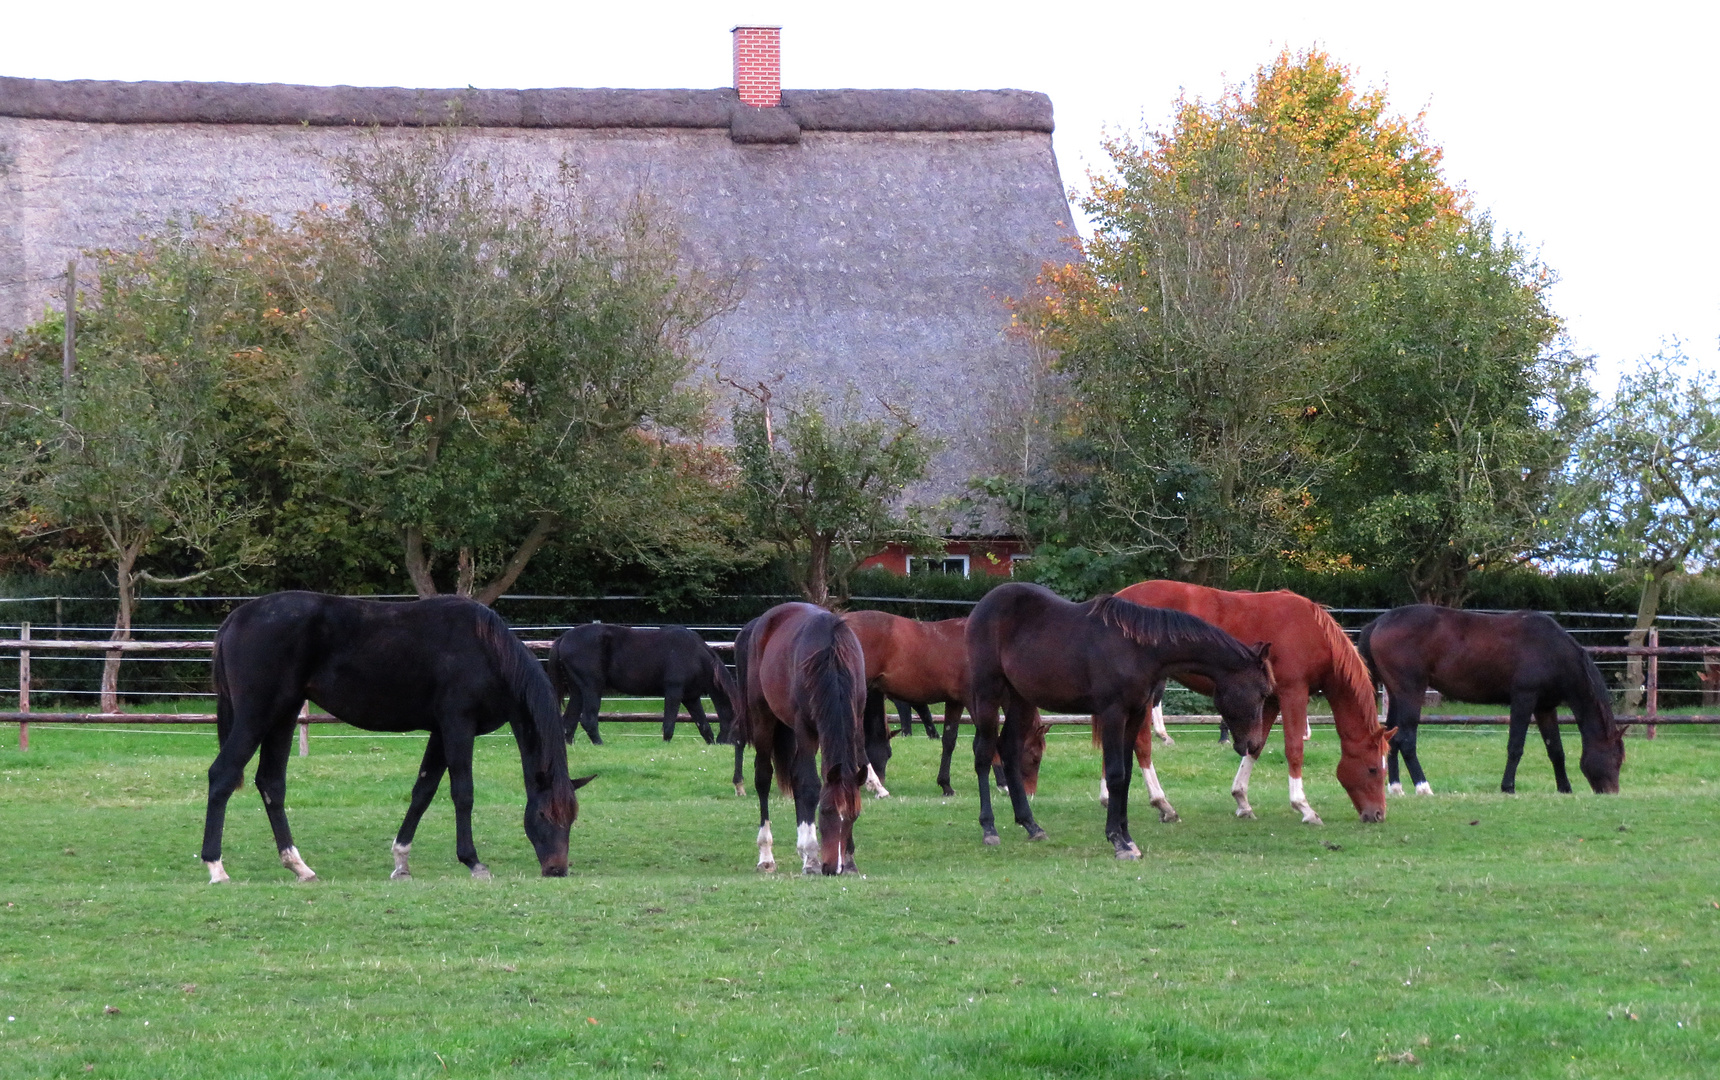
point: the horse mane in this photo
(1603, 694)
(827, 675)
(525, 679)
(1151, 626)
(1348, 669)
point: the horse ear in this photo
(1261, 648)
(584, 780)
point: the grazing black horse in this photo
(803, 687)
(445, 665)
(669, 660)
(1523, 659)
(1029, 648)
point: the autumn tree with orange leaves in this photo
(1228, 340)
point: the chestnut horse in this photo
(922, 664)
(1523, 659)
(802, 681)
(1030, 648)
(1310, 653)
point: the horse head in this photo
(548, 820)
(1602, 759)
(838, 806)
(1240, 697)
(1360, 769)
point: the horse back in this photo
(1304, 653)
(920, 662)
(378, 666)
(1470, 655)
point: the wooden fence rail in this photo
(25, 644)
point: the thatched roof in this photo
(877, 232)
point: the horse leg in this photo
(1155, 792)
(226, 773)
(1159, 715)
(876, 728)
(762, 775)
(952, 718)
(925, 712)
(590, 700)
(1245, 769)
(430, 772)
(807, 788)
(1017, 717)
(1295, 707)
(1548, 721)
(458, 749)
(905, 714)
(1403, 713)
(1393, 785)
(696, 711)
(984, 749)
(1114, 738)
(672, 710)
(1522, 710)
(272, 786)
(739, 747)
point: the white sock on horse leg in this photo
(1299, 803)
(1239, 786)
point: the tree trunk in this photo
(124, 574)
(541, 532)
(417, 565)
(1647, 607)
(467, 572)
(816, 583)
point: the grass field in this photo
(1472, 934)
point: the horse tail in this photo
(1365, 649)
(223, 696)
(724, 691)
(743, 658)
(526, 681)
(827, 675)
(1351, 678)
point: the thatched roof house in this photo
(878, 232)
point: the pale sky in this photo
(1585, 130)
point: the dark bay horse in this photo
(1310, 653)
(923, 664)
(803, 689)
(1029, 648)
(1523, 659)
(446, 665)
(671, 661)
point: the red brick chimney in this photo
(758, 65)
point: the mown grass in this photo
(1536, 936)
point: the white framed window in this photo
(956, 565)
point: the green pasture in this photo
(1472, 934)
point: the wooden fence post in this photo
(305, 730)
(1653, 679)
(24, 688)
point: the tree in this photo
(1194, 336)
(822, 485)
(1451, 411)
(133, 452)
(500, 362)
(1647, 480)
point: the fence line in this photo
(25, 644)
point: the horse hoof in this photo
(1424, 788)
(1167, 816)
(1249, 814)
(480, 872)
(992, 839)
(1312, 819)
(949, 792)
(1129, 854)
(1395, 789)
(767, 867)
(1167, 740)
(1034, 832)
(739, 791)
(400, 875)
(811, 871)
(1104, 800)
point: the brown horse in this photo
(1310, 653)
(1523, 659)
(925, 663)
(802, 681)
(1029, 648)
